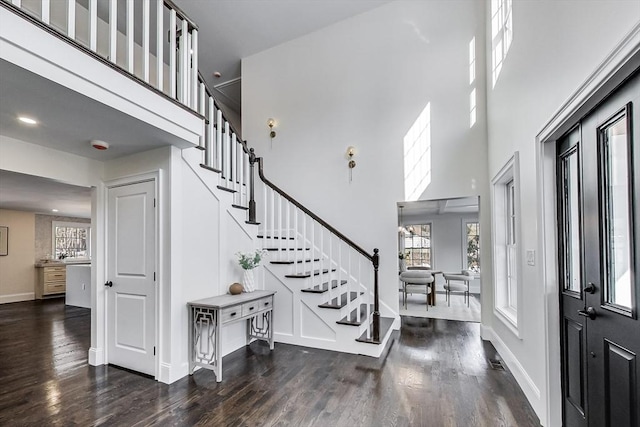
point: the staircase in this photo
(328, 290)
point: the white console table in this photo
(208, 316)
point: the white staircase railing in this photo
(124, 39)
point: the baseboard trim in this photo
(96, 356)
(26, 296)
(531, 391)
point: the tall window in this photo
(417, 245)
(71, 240)
(501, 34)
(472, 231)
(506, 236)
(512, 269)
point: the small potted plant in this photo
(249, 261)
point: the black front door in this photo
(598, 179)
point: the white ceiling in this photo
(34, 194)
(228, 31)
(426, 208)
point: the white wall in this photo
(17, 272)
(556, 45)
(78, 291)
(363, 82)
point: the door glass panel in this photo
(617, 228)
(573, 219)
(572, 225)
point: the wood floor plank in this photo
(434, 373)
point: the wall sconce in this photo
(271, 123)
(351, 151)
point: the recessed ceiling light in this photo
(27, 120)
(54, 210)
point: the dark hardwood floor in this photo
(435, 373)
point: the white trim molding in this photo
(519, 373)
(616, 67)
(26, 296)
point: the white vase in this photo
(249, 282)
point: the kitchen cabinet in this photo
(51, 281)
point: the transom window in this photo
(71, 240)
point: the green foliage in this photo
(250, 260)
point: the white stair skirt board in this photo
(416, 307)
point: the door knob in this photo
(590, 312)
(590, 288)
(109, 284)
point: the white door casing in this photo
(131, 260)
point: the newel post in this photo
(252, 200)
(376, 294)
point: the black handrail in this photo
(180, 13)
(322, 222)
(209, 92)
(375, 258)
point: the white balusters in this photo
(93, 25)
(160, 45)
(17, 3)
(71, 19)
(113, 30)
(288, 229)
(219, 139)
(233, 172)
(46, 11)
(209, 140)
(295, 249)
(194, 68)
(202, 98)
(145, 39)
(130, 45)
(173, 72)
(183, 73)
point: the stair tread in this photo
(252, 223)
(240, 207)
(340, 301)
(288, 262)
(229, 190)
(320, 289)
(260, 236)
(308, 273)
(210, 168)
(352, 318)
(385, 326)
(286, 249)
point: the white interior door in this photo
(131, 293)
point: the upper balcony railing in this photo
(151, 40)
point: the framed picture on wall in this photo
(4, 241)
